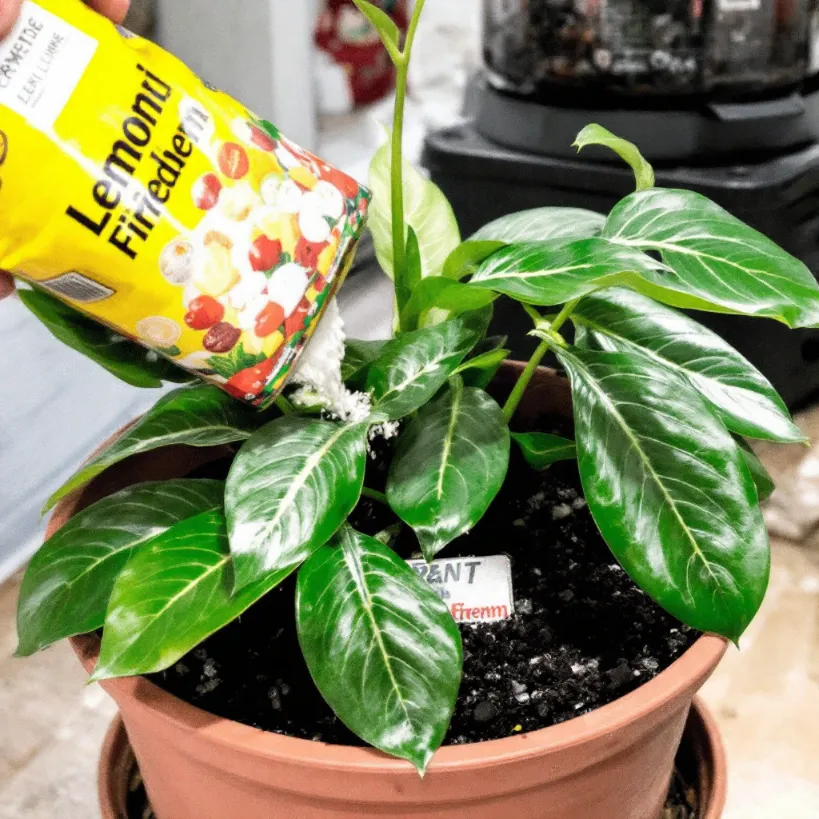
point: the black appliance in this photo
(719, 94)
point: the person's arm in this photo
(9, 11)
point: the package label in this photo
(41, 63)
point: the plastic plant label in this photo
(476, 589)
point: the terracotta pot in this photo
(614, 763)
(701, 756)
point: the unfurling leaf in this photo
(540, 225)
(67, 585)
(290, 488)
(627, 151)
(426, 210)
(384, 25)
(450, 464)
(719, 263)
(199, 416)
(541, 450)
(668, 489)
(558, 270)
(130, 362)
(762, 480)
(414, 366)
(618, 320)
(380, 644)
(172, 595)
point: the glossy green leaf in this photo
(199, 415)
(66, 588)
(620, 320)
(719, 263)
(384, 25)
(763, 481)
(465, 259)
(414, 366)
(488, 362)
(381, 645)
(450, 464)
(598, 135)
(541, 450)
(559, 270)
(130, 362)
(173, 594)
(668, 489)
(358, 355)
(426, 210)
(290, 487)
(448, 296)
(542, 224)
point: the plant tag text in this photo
(476, 589)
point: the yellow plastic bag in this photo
(132, 191)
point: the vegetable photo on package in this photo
(286, 560)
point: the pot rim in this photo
(702, 731)
(687, 674)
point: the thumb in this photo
(6, 285)
(9, 12)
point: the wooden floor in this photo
(766, 699)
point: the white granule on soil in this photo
(319, 372)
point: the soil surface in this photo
(582, 636)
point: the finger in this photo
(6, 285)
(9, 12)
(113, 9)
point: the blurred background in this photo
(723, 97)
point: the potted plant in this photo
(221, 568)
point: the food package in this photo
(161, 207)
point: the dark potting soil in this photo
(582, 635)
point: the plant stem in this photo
(563, 316)
(375, 495)
(399, 232)
(522, 385)
(511, 406)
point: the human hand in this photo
(9, 11)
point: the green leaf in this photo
(414, 366)
(450, 464)
(559, 270)
(290, 488)
(541, 224)
(464, 260)
(627, 151)
(358, 355)
(130, 362)
(620, 320)
(199, 416)
(762, 479)
(238, 359)
(173, 594)
(447, 295)
(426, 210)
(487, 362)
(541, 450)
(67, 585)
(384, 25)
(381, 645)
(668, 489)
(719, 263)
